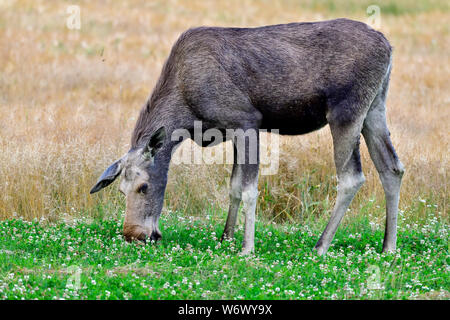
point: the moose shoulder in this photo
(294, 77)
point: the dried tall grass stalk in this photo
(69, 100)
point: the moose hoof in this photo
(246, 251)
(226, 237)
(388, 249)
(320, 251)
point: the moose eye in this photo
(142, 188)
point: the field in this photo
(89, 260)
(69, 99)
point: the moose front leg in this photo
(243, 187)
(249, 197)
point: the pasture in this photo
(84, 259)
(69, 99)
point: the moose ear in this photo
(155, 142)
(108, 176)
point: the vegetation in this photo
(69, 100)
(89, 259)
(68, 103)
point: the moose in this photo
(295, 78)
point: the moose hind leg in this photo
(389, 167)
(249, 175)
(350, 177)
(235, 199)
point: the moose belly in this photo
(294, 118)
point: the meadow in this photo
(85, 259)
(69, 99)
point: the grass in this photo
(88, 259)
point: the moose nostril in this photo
(155, 236)
(143, 188)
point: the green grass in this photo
(387, 7)
(39, 260)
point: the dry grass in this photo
(69, 100)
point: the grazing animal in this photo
(294, 77)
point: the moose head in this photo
(143, 181)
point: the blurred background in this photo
(70, 95)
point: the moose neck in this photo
(151, 118)
(158, 173)
(165, 108)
